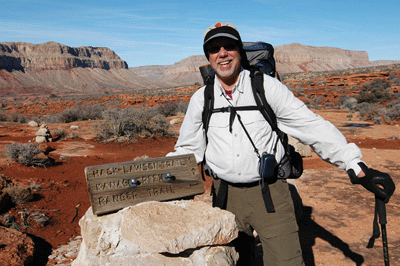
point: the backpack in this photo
(259, 59)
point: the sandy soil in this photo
(338, 215)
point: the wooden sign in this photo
(118, 185)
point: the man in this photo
(230, 157)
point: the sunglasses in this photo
(228, 47)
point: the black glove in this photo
(372, 179)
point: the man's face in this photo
(224, 58)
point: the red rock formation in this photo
(51, 55)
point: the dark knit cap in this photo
(221, 29)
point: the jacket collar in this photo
(238, 86)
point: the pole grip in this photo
(381, 208)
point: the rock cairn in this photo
(43, 134)
(159, 233)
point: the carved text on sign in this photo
(117, 198)
(115, 186)
(160, 190)
(139, 167)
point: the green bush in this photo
(377, 91)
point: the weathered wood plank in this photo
(109, 187)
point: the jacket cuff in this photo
(354, 165)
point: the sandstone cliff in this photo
(51, 68)
(52, 55)
(296, 57)
(289, 58)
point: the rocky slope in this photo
(28, 70)
(290, 58)
(296, 57)
(52, 55)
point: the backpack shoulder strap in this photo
(257, 84)
(208, 103)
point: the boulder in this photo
(159, 233)
(304, 150)
(33, 124)
(16, 248)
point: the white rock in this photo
(147, 232)
(40, 139)
(43, 132)
(33, 124)
(175, 121)
(304, 150)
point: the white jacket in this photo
(231, 156)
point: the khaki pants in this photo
(278, 231)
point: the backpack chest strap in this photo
(233, 112)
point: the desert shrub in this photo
(35, 187)
(40, 218)
(300, 91)
(329, 105)
(168, 108)
(3, 116)
(337, 88)
(132, 122)
(378, 120)
(377, 91)
(396, 81)
(350, 116)
(19, 194)
(10, 222)
(81, 113)
(364, 108)
(26, 154)
(60, 133)
(17, 117)
(182, 107)
(347, 102)
(317, 100)
(393, 110)
(172, 108)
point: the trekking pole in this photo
(381, 209)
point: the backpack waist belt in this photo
(220, 196)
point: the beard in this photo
(233, 71)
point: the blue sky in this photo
(164, 32)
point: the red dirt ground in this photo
(63, 195)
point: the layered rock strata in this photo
(52, 55)
(289, 58)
